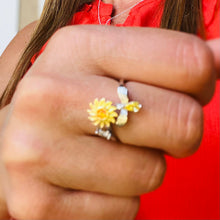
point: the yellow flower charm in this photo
(102, 113)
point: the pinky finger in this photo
(78, 205)
(86, 205)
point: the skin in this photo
(53, 166)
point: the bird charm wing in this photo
(123, 94)
(122, 118)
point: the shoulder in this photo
(12, 54)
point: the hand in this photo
(55, 168)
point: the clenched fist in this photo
(55, 167)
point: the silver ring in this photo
(103, 114)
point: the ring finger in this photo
(168, 120)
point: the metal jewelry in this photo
(103, 114)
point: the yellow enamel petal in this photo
(115, 114)
(102, 113)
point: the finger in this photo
(59, 147)
(38, 201)
(168, 120)
(107, 167)
(99, 206)
(163, 58)
(86, 163)
(28, 197)
(215, 47)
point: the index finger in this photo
(163, 58)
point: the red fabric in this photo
(191, 186)
(211, 13)
(145, 14)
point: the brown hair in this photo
(181, 15)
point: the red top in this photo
(191, 186)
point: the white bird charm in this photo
(125, 106)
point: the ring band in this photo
(103, 113)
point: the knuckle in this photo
(38, 103)
(21, 150)
(29, 206)
(45, 98)
(131, 208)
(157, 174)
(197, 58)
(189, 126)
(193, 129)
(107, 207)
(61, 35)
(204, 60)
(80, 38)
(20, 147)
(37, 96)
(200, 66)
(66, 32)
(56, 44)
(149, 181)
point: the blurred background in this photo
(14, 15)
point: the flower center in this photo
(101, 113)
